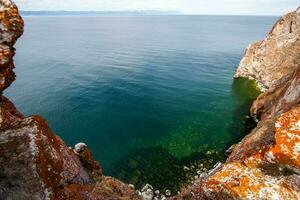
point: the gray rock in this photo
(80, 147)
(168, 192)
(146, 187)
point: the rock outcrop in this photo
(273, 60)
(34, 162)
(266, 163)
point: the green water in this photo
(178, 155)
(153, 96)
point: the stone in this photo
(146, 187)
(168, 192)
(80, 147)
(147, 195)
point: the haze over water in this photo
(148, 94)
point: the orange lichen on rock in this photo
(11, 23)
(11, 28)
(286, 150)
(263, 175)
(249, 181)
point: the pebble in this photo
(147, 192)
(168, 192)
(146, 187)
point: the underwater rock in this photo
(147, 192)
(168, 192)
(156, 192)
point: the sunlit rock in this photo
(273, 59)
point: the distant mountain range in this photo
(102, 13)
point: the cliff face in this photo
(266, 163)
(273, 60)
(36, 164)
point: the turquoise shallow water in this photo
(148, 94)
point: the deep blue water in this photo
(148, 94)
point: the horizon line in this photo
(168, 12)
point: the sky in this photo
(228, 7)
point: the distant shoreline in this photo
(123, 13)
(99, 13)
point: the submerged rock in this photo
(168, 193)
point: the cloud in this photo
(252, 7)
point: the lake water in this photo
(148, 94)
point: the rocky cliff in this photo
(36, 164)
(273, 60)
(266, 163)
